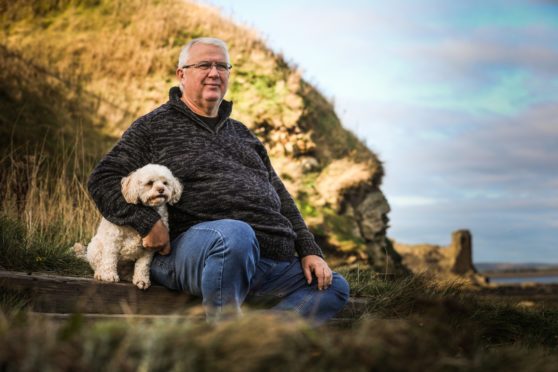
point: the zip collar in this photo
(225, 110)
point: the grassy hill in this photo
(75, 74)
(122, 57)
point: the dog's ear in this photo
(130, 189)
(176, 190)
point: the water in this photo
(533, 279)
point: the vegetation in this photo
(410, 324)
(45, 209)
(67, 92)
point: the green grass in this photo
(45, 209)
(455, 304)
(44, 251)
(411, 324)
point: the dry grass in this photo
(419, 325)
(44, 210)
(125, 53)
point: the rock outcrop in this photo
(457, 258)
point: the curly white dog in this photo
(152, 185)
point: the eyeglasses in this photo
(205, 65)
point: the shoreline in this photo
(520, 274)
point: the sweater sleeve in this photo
(131, 152)
(305, 244)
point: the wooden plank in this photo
(62, 294)
(65, 295)
(123, 317)
(132, 318)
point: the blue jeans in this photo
(220, 261)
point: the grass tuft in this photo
(45, 209)
(258, 341)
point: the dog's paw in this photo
(142, 283)
(107, 277)
(79, 250)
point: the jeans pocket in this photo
(266, 265)
(264, 268)
(275, 278)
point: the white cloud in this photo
(413, 201)
(468, 54)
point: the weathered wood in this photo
(123, 317)
(65, 295)
(61, 294)
(132, 318)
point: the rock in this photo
(453, 259)
(462, 252)
(339, 177)
(372, 214)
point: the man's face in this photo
(204, 88)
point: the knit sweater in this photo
(226, 174)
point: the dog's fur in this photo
(152, 185)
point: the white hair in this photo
(183, 57)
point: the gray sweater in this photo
(226, 173)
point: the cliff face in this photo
(107, 63)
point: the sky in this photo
(458, 98)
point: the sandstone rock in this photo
(372, 213)
(462, 252)
(340, 176)
(453, 259)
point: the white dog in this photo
(152, 185)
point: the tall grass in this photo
(409, 324)
(45, 209)
(266, 341)
(453, 304)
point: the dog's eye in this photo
(165, 183)
(150, 183)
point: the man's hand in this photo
(315, 264)
(158, 239)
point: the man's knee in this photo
(238, 237)
(341, 288)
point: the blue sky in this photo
(460, 99)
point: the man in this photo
(235, 230)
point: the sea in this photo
(532, 279)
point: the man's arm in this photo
(311, 256)
(308, 250)
(305, 243)
(131, 152)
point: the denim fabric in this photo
(219, 261)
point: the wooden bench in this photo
(61, 296)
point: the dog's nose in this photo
(161, 190)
